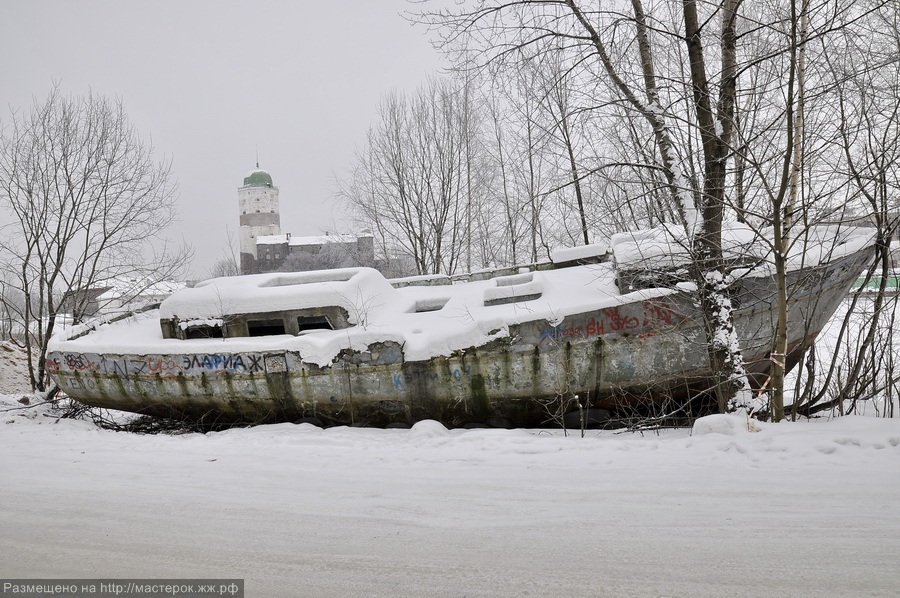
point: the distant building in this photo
(119, 296)
(265, 249)
(259, 215)
(286, 252)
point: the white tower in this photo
(258, 206)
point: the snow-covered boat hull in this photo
(645, 349)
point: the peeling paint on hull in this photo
(636, 353)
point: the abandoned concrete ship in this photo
(614, 324)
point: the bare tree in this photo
(556, 95)
(89, 204)
(522, 159)
(699, 113)
(328, 256)
(411, 185)
(224, 266)
(863, 69)
(799, 67)
(228, 264)
(506, 201)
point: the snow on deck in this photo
(379, 311)
(667, 247)
(562, 255)
(473, 313)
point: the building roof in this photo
(257, 178)
(129, 287)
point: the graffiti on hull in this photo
(149, 365)
(616, 320)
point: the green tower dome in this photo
(258, 178)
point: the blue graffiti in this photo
(220, 362)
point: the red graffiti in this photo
(655, 313)
(618, 322)
(659, 314)
(161, 365)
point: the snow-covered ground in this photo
(805, 509)
(793, 509)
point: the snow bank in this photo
(730, 424)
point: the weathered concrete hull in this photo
(635, 354)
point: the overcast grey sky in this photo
(212, 80)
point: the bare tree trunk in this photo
(715, 133)
(576, 179)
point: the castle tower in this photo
(259, 216)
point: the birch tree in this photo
(862, 66)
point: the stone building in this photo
(287, 252)
(264, 248)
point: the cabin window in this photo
(313, 323)
(193, 332)
(265, 327)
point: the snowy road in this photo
(793, 510)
